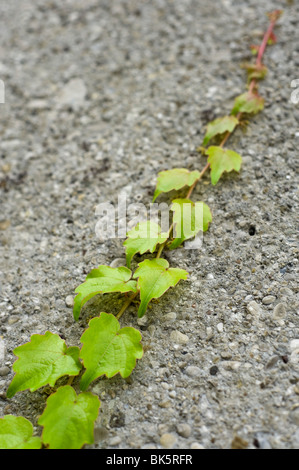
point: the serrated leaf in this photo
(219, 126)
(176, 178)
(69, 418)
(16, 433)
(108, 349)
(103, 280)
(42, 361)
(250, 103)
(189, 218)
(154, 278)
(144, 237)
(222, 160)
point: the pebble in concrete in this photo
(168, 440)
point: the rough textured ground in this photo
(100, 96)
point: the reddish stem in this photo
(195, 182)
(273, 18)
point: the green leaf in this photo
(144, 237)
(108, 349)
(154, 278)
(101, 281)
(69, 418)
(16, 433)
(222, 160)
(248, 103)
(189, 218)
(42, 361)
(254, 49)
(219, 126)
(176, 178)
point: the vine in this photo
(68, 418)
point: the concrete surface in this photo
(99, 97)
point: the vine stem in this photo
(126, 305)
(252, 85)
(261, 50)
(273, 18)
(195, 182)
(70, 380)
(161, 247)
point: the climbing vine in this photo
(107, 349)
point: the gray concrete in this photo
(100, 96)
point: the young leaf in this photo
(100, 281)
(16, 433)
(42, 361)
(258, 71)
(144, 237)
(219, 126)
(176, 178)
(254, 49)
(222, 160)
(68, 419)
(154, 278)
(108, 349)
(248, 103)
(272, 39)
(189, 218)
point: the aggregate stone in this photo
(115, 441)
(231, 365)
(169, 317)
(179, 337)
(69, 301)
(118, 262)
(168, 440)
(13, 320)
(294, 344)
(269, 299)
(294, 415)
(142, 321)
(99, 98)
(4, 371)
(214, 370)
(196, 445)
(279, 311)
(184, 430)
(193, 371)
(254, 308)
(73, 93)
(262, 441)
(294, 357)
